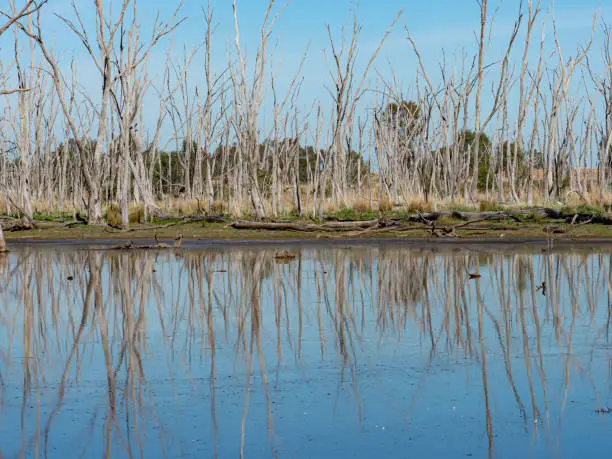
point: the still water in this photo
(376, 350)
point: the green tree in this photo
(402, 120)
(467, 144)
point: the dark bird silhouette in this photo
(178, 241)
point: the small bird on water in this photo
(474, 275)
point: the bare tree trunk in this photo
(477, 122)
(2, 241)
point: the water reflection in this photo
(351, 351)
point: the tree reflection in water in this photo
(123, 354)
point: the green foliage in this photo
(345, 213)
(165, 221)
(459, 207)
(402, 116)
(402, 120)
(467, 142)
(56, 217)
(586, 209)
(489, 206)
(169, 173)
(492, 160)
(170, 168)
(532, 217)
(350, 214)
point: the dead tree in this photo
(13, 16)
(347, 91)
(248, 97)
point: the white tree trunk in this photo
(2, 241)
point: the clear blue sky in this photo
(437, 25)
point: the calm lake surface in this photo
(379, 350)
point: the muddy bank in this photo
(537, 225)
(510, 233)
(424, 245)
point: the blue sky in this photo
(438, 26)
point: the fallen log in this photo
(131, 246)
(22, 226)
(516, 215)
(429, 219)
(305, 227)
(374, 230)
(182, 221)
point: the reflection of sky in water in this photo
(371, 351)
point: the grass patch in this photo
(112, 215)
(350, 214)
(385, 204)
(490, 206)
(59, 217)
(362, 206)
(418, 205)
(217, 207)
(595, 211)
(165, 221)
(532, 217)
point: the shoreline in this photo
(414, 243)
(432, 230)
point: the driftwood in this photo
(330, 227)
(516, 215)
(178, 242)
(429, 219)
(20, 226)
(182, 221)
(131, 246)
(387, 228)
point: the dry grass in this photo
(418, 205)
(136, 214)
(359, 203)
(185, 207)
(486, 205)
(217, 207)
(112, 215)
(361, 206)
(40, 206)
(385, 204)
